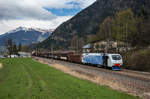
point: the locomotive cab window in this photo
(116, 57)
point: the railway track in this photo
(134, 82)
(135, 74)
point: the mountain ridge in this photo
(87, 22)
(25, 36)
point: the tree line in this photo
(13, 48)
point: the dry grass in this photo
(1, 66)
(101, 80)
(111, 82)
(146, 95)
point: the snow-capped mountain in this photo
(43, 31)
(25, 36)
(18, 29)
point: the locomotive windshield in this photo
(116, 57)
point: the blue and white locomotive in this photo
(113, 61)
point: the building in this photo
(106, 46)
(24, 54)
(2, 56)
(87, 48)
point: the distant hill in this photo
(25, 36)
(87, 21)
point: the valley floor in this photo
(28, 79)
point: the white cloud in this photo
(18, 9)
(86, 3)
(64, 3)
(7, 25)
(31, 13)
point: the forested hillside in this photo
(125, 27)
(87, 22)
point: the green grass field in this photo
(28, 79)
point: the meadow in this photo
(27, 79)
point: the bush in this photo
(139, 60)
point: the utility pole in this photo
(127, 34)
(109, 35)
(126, 56)
(52, 51)
(77, 45)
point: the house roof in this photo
(87, 46)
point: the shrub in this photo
(139, 60)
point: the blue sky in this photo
(64, 11)
(44, 14)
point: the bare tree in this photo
(15, 50)
(9, 46)
(77, 43)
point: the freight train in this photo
(113, 61)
